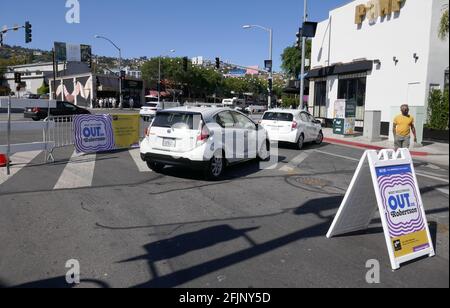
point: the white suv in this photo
(203, 138)
(292, 126)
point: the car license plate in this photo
(169, 143)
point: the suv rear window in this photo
(278, 116)
(177, 120)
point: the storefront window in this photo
(320, 99)
(354, 88)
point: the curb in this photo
(367, 146)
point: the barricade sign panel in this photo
(93, 133)
(101, 133)
(126, 130)
(397, 194)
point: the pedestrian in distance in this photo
(403, 126)
(131, 103)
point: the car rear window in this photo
(152, 105)
(177, 120)
(278, 116)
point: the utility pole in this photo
(302, 73)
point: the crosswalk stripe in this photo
(295, 162)
(18, 161)
(78, 172)
(141, 165)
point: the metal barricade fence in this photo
(60, 132)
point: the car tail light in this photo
(204, 134)
(148, 131)
(36, 110)
(294, 125)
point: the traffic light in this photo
(185, 63)
(298, 43)
(28, 32)
(270, 83)
(122, 74)
(218, 63)
(17, 78)
(1, 39)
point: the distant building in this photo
(84, 89)
(380, 53)
(128, 71)
(34, 75)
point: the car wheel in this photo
(319, 139)
(36, 119)
(215, 168)
(264, 152)
(301, 142)
(156, 167)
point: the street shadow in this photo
(179, 245)
(56, 283)
(232, 172)
(189, 242)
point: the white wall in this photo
(400, 35)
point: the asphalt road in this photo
(129, 227)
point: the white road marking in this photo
(141, 165)
(337, 155)
(18, 161)
(432, 177)
(444, 191)
(295, 162)
(354, 159)
(78, 173)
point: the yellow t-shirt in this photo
(404, 125)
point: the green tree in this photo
(443, 27)
(438, 110)
(292, 59)
(44, 89)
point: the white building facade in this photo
(35, 75)
(381, 53)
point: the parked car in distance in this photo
(148, 111)
(292, 126)
(256, 109)
(44, 96)
(204, 139)
(30, 96)
(62, 109)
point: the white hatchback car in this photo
(292, 126)
(148, 111)
(203, 138)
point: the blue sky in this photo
(206, 28)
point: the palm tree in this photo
(443, 27)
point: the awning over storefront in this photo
(340, 69)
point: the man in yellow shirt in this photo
(403, 126)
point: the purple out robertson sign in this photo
(396, 194)
(93, 133)
(403, 209)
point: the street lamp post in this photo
(159, 74)
(120, 67)
(270, 31)
(302, 73)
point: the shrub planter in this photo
(436, 135)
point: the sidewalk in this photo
(433, 153)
